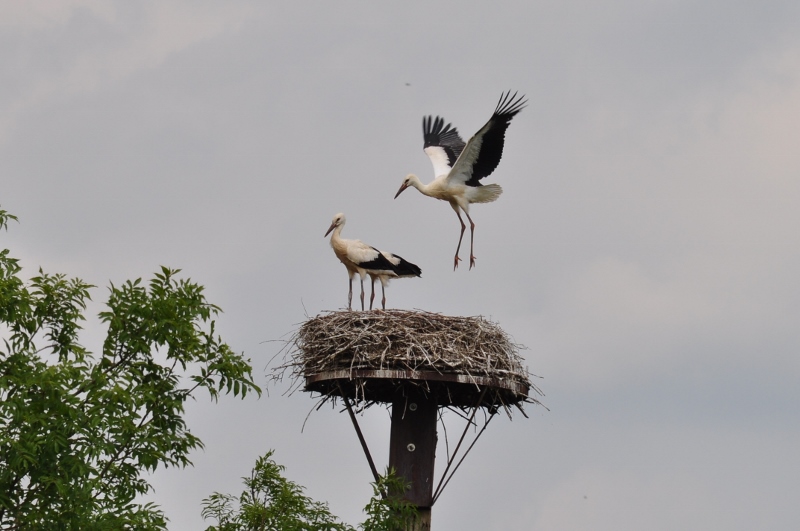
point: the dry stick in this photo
(455, 452)
(362, 441)
(439, 492)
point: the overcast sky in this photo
(645, 248)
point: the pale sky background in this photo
(645, 249)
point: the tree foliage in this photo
(271, 502)
(387, 510)
(78, 430)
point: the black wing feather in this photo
(493, 139)
(436, 133)
(379, 263)
(405, 268)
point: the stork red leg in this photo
(362, 294)
(372, 296)
(471, 238)
(383, 294)
(460, 237)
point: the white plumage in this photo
(362, 259)
(458, 167)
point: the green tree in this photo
(77, 430)
(271, 502)
(387, 510)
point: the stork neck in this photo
(419, 185)
(337, 233)
(432, 189)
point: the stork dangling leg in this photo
(471, 239)
(461, 237)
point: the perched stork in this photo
(458, 168)
(358, 257)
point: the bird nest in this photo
(379, 356)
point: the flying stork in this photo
(358, 257)
(458, 168)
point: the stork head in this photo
(408, 181)
(338, 221)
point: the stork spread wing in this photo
(442, 144)
(484, 150)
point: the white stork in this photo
(458, 167)
(358, 257)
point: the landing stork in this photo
(458, 168)
(363, 259)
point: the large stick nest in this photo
(378, 356)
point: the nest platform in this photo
(378, 356)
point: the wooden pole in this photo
(412, 451)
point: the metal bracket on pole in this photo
(361, 440)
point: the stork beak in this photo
(333, 226)
(400, 191)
